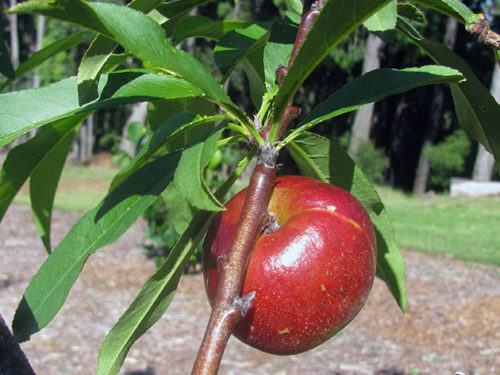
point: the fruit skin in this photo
(311, 276)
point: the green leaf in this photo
(451, 8)
(148, 42)
(384, 19)
(238, 44)
(477, 110)
(176, 133)
(23, 111)
(278, 49)
(89, 70)
(179, 7)
(411, 13)
(98, 54)
(295, 5)
(337, 19)
(136, 131)
(6, 67)
(253, 66)
(325, 160)
(179, 211)
(160, 110)
(44, 180)
(188, 177)
(53, 49)
(75, 11)
(158, 291)
(25, 158)
(50, 286)
(204, 27)
(374, 86)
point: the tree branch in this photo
(483, 34)
(229, 306)
(12, 359)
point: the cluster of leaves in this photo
(185, 129)
(447, 158)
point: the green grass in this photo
(464, 228)
(80, 188)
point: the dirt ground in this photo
(452, 324)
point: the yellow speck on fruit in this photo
(331, 209)
(252, 328)
(286, 330)
(323, 288)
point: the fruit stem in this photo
(228, 306)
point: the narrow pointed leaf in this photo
(91, 66)
(337, 19)
(23, 111)
(278, 49)
(374, 86)
(98, 54)
(75, 11)
(323, 159)
(172, 135)
(204, 27)
(189, 178)
(148, 42)
(53, 49)
(238, 44)
(50, 286)
(451, 8)
(44, 180)
(25, 158)
(178, 7)
(158, 291)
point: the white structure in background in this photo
(464, 186)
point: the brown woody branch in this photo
(229, 306)
(483, 34)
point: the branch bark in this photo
(12, 359)
(229, 306)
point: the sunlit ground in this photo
(464, 228)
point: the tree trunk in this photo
(14, 36)
(483, 166)
(433, 122)
(138, 114)
(86, 139)
(40, 31)
(363, 119)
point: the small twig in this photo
(304, 27)
(229, 307)
(12, 359)
(483, 34)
